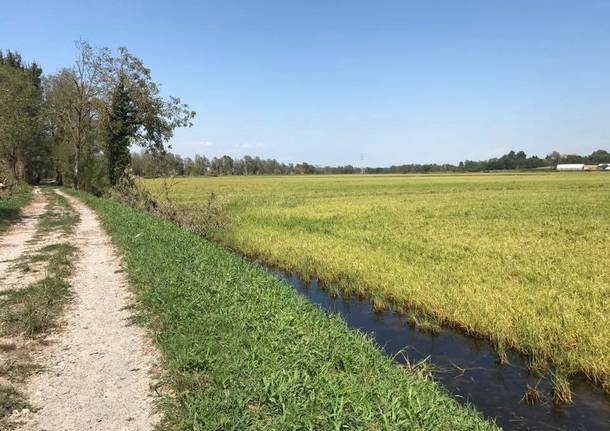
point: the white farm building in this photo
(571, 167)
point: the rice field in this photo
(521, 259)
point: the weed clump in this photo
(532, 396)
(537, 365)
(501, 352)
(423, 368)
(10, 400)
(561, 389)
(424, 323)
(379, 303)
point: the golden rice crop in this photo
(522, 259)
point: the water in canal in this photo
(468, 367)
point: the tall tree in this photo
(148, 119)
(76, 97)
(121, 126)
(20, 108)
(82, 101)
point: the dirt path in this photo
(26, 241)
(14, 243)
(99, 371)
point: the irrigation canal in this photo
(467, 367)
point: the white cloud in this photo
(249, 146)
(206, 143)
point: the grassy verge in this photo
(10, 205)
(29, 313)
(243, 351)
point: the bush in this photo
(206, 219)
(7, 182)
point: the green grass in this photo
(521, 259)
(243, 351)
(10, 205)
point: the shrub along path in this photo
(97, 368)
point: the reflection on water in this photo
(468, 367)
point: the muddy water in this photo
(468, 368)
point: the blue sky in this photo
(324, 81)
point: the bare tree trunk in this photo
(59, 177)
(76, 163)
(77, 155)
(13, 164)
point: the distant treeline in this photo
(157, 165)
(510, 161)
